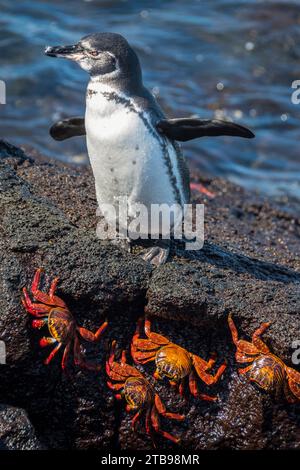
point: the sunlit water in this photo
(207, 58)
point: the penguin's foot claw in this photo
(156, 255)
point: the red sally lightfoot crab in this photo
(266, 370)
(139, 394)
(173, 361)
(52, 311)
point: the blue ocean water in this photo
(234, 59)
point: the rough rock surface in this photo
(249, 265)
(16, 431)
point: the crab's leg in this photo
(242, 358)
(242, 346)
(291, 398)
(36, 281)
(123, 357)
(294, 381)
(55, 300)
(125, 370)
(53, 288)
(76, 351)
(119, 371)
(89, 335)
(37, 310)
(144, 350)
(245, 370)
(52, 354)
(112, 370)
(79, 359)
(112, 386)
(154, 337)
(111, 358)
(135, 419)
(156, 425)
(148, 426)
(140, 357)
(293, 374)
(163, 411)
(114, 375)
(258, 343)
(201, 368)
(247, 348)
(246, 352)
(195, 392)
(66, 355)
(211, 362)
(50, 298)
(145, 345)
(181, 388)
(233, 329)
(141, 344)
(38, 295)
(193, 385)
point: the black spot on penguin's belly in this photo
(90, 93)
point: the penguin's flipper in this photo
(71, 127)
(187, 129)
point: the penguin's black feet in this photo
(157, 254)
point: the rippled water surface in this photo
(209, 58)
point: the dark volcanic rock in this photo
(249, 265)
(96, 281)
(16, 431)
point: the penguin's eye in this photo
(94, 53)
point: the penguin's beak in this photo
(74, 52)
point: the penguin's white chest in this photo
(128, 157)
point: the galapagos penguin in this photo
(131, 144)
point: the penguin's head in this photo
(106, 57)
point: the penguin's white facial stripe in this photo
(85, 43)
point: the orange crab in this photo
(173, 361)
(53, 312)
(266, 370)
(139, 394)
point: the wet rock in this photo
(249, 266)
(16, 431)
